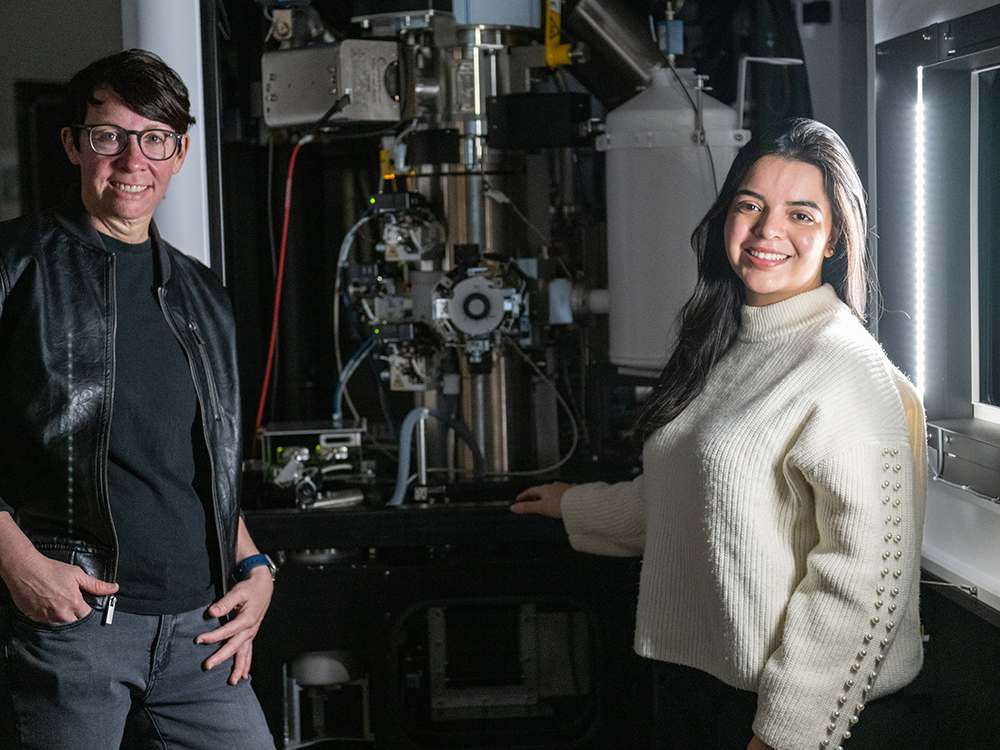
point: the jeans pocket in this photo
(20, 620)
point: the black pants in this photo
(694, 711)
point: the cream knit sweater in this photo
(779, 518)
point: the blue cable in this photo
(352, 364)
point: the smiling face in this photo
(120, 192)
(779, 230)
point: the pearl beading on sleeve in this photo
(891, 488)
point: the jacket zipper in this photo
(193, 327)
(213, 393)
(109, 609)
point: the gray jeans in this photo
(135, 684)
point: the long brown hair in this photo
(711, 318)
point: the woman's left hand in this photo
(758, 744)
(248, 600)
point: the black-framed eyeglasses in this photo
(111, 140)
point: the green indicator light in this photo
(378, 331)
(371, 200)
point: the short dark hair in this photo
(144, 83)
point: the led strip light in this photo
(920, 242)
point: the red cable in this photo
(277, 298)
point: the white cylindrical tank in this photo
(662, 177)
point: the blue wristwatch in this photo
(254, 561)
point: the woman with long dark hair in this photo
(780, 508)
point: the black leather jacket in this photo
(57, 376)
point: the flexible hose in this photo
(405, 442)
(277, 290)
(569, 415)
(405, 439)
(345, 249)
(352, 364)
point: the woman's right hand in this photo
(44, 590)
(545, 499)
(49, 591)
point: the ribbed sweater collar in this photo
(781, 318)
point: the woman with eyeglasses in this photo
(780, 509)
(121, 546)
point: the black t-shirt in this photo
(161, 522)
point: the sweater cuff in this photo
(605, 519)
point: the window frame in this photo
(925, 293)
(981, 409)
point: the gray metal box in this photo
(301, 85)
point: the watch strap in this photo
(247, 564)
